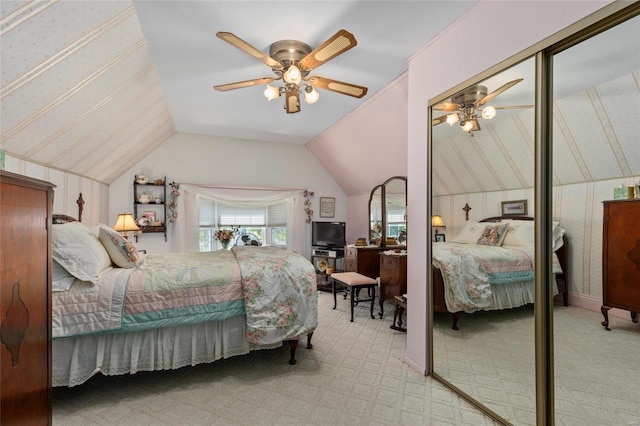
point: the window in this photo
(253, 225)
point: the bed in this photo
(117, 311)
(489, 266)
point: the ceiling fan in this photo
(292, 61)
(466, 105)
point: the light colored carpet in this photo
(597, 373)
(354, 375)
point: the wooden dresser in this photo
(393, 278)
(25, 300)
(621, 258)
(363, 260)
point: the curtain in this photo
(185, 233)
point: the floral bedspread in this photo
(274, 288)
(469, 271)
(280, 297)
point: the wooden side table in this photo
(401, 306)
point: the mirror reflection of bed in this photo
(491, 357)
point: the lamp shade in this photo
(126, 225)
(436, 220)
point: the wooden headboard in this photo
(499, 218)
(63, 218)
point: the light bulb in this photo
(488, 112)
(271, 93)
(292, 75)
(311, 96)
(466, 125)
(452, 119)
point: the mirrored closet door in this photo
(596, 91)
(491, 356)
(491, 359)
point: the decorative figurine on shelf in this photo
(142, 179)
(144, 198)
(159, 182)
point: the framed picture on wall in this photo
(514, 208)
(327, 207)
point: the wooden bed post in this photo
(80, 202)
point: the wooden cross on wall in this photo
(466, 209)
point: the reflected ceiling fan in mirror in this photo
(292, 61)
(466, 105)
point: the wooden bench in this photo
(354, 282)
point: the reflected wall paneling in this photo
(25, 300)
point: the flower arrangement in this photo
(377, 226)
(224, 235)
(173, 203)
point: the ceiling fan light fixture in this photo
(452, 119)
(467, 125)
(488, 112)
(292, 75)
(271, 93)
(311, 95)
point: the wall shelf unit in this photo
(150, 205)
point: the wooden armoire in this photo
(621, 258)
(25, 300)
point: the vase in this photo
(225, 245)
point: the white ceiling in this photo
(91, 87)
(190, 59)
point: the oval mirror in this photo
(395, 211)
(375, 214)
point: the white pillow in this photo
(521, 233)
(121, 251)
(62, 279)
(79, 251)
(558, 233)
(470, 233)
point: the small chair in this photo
(354, 281)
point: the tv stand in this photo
(329, 252)
(322, 278)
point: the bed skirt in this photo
(513, 295)
(76, 359)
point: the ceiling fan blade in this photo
(247, 48)
(497, 92)
(439, 120)
(513, 106)
(338, 86)
(241, 84)
(339, 43)
(292, 101)
(446, 106)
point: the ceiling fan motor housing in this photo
(470, 95)
(289, 52)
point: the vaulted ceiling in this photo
(92, 86)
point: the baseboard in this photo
(594, 304)
(415, 366)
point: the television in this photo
(328, 234)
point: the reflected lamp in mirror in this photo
(437, 223)
(126, 225)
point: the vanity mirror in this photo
(388, 213)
